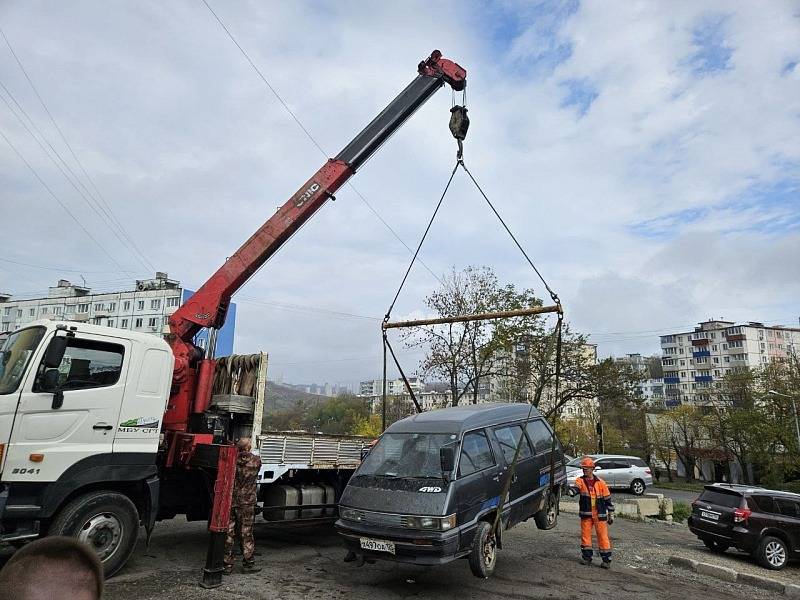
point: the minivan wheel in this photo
(547, 518)
(772, 553)
(637, 487)
(483, 556)
(716, 546)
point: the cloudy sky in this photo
(646, 154)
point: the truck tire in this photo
(483, 556)
(107, 521)
(547, 518)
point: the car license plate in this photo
(709, 515)
(377, 545)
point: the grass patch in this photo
(695, 486)
(681, 511)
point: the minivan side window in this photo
(540, 436)
(509, 437)
(476, 454)
(89, 364)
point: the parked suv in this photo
(628, 472)
(765, 523)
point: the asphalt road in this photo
(676, 495)
(307, 563)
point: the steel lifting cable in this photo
(558, 334)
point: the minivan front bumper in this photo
(415, 547)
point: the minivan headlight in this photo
(350, 514)
(430, 523)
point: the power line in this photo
(58, 269)
(311, 137)
(58, 166)
(57, 199)
(107, 210)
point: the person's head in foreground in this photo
(52, 568)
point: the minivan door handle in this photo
(103, 426)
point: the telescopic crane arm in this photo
(207, 308)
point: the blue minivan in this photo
(429, 491)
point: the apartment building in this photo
(696, 361)
(651, 387)
(144, 308)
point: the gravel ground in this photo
(305, 563)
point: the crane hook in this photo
(459, 124)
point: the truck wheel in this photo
(547, 518)
(483, 556)
(107, 521)
(772, 553)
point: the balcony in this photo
(703, 378)
(701, 353)
(700, 342)
(733, 337)
(672, 392)
(670, 367)
(672, 402)
(671, 379)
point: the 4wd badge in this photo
(431, 489)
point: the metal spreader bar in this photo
(503, 314)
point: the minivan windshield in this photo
(408, 455)
(15, 354)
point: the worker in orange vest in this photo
(596, 510)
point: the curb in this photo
(731, 575)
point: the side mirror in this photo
(55, 352)
(50, 384)
(447, 458)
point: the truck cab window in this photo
(89, 364)
(15, 353)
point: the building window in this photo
(124, 323)
(44, 310)
(126, 305)
(110, 323)
(140, 305)
(19, 313)
(137, 323)
(99, 306)
(166, 320)
(714, 348)
(151, 322)
(112, 306)
(57, 310)
(173, 301)
(70, 309)
(680, 350)
(7, 311)
(32, 313)
(716, 360)
(155, 304)
(97, 321)
(83, 308)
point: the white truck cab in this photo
(80, 416)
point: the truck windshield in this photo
(409, 455)
(15, 354)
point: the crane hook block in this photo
(459, 122)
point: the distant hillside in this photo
(282, 397)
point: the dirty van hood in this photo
(401, 496)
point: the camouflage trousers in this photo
(240, 527)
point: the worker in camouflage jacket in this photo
(240, 526)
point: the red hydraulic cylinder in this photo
(205, 384)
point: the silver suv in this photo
(628, 472)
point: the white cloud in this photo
(193, 153)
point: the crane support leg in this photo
(220, 517)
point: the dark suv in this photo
(764, 523)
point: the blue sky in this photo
(645, 154)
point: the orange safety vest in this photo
(594, 501)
